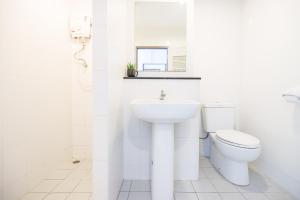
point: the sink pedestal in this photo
(163, 161)
(163, 114)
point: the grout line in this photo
(45, 196)
(67, 196)
(77, 185)
(120, 190)
(191, 182)
(127, 195)
(193, 187)
(60, 181)
(131, 182)
(71, 171)
(245, 197)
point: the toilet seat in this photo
(237, 139)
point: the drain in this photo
(76, 161)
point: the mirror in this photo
(160, 36)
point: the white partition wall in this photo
(109, 61)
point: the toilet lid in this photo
(237, 138)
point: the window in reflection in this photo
(152, 59)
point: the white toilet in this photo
(230, 150)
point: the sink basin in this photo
(163, 114)
(164, 111)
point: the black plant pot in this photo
(132, 73)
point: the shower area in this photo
(46, 128)
(56, 136)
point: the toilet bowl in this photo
(230, 153)
(230, 150)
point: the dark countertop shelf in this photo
(165, 78)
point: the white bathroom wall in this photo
(109, 58)
(137, 134)
(82, 91)
(271, 65)
(35, 89)
(217, 49)
(217, 52)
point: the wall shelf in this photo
(164, 78)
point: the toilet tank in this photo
(218, 116)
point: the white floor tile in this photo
(84, 186)
(92, 197)
(257, 178)
(34, 196)
(204, 163)
(80, 174)
(46, 185)
(255, 196)
(231, 196)
(59, 174)
(222, 185)
(86, 165)
(203, 185)
(57, 196)
(208, 196)
(67, 186)
(186, 196)
(139, 196)
(68, 165)
(79, 196)
(211, 172)
(272, 188)
(253, 188)
(183, 186)
(126, 186)
(261, 186)
(123, 196)
(278, 196)
(140, 186)
(201, 173)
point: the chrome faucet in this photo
(162, 95)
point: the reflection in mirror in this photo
(160, 36)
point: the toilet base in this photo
(234, 171)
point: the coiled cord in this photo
(77, 53)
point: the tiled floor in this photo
(74, 182)
(68, 182)
(210, 186)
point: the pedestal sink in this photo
(163, 114)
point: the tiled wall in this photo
(109, 58)
(137, 134)
(35, 91)
(82, 91)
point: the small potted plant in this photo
(131, 70)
